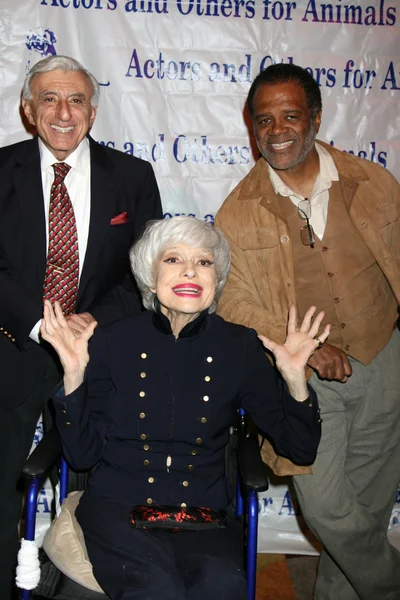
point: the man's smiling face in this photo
(60, 109)
(284, 128)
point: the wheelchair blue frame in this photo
(246, 508)
(252, 522)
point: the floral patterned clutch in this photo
(176, 518)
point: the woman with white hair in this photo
(152, 409)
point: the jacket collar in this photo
(162, 324)
(257, 185)
(27, 151)
(104, 189)
(29, 195)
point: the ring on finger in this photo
(320, 344)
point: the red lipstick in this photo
(188, 290)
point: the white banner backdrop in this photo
(175, 75)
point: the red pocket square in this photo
(119, 219)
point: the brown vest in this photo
(341, 277)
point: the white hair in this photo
(161, 235)
(60, 63)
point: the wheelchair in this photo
(245, 470)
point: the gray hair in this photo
(60, 63)
(161, 235)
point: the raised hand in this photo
(72, 350)
(301, 342)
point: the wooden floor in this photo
(285, 578)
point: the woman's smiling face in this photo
(185, 280)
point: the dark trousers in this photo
(132, 564)
(16, 436)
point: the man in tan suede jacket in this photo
(310, 225)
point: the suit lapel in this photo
(103, 193)
(29, 190)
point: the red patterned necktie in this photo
(62, 269)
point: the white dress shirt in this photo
(319, 198)
(77, 183)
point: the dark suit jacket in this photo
(148, 395)
(119, 183)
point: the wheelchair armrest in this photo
(252, 469)
(44, 456)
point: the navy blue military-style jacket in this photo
(154, 412)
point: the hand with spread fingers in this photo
(72, 350)
(301, 343)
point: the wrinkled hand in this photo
(79, 322)
(331, 363)
(291, 357)
(72, 350)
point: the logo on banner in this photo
(42, 42)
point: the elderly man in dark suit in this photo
(69, 211)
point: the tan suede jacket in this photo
(260, 288)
